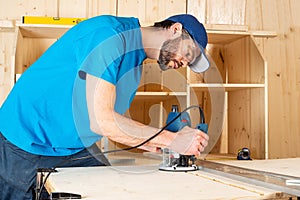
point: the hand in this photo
(189, 141)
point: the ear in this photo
(176, 29)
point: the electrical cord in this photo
(53, 169)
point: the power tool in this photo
(173, 161)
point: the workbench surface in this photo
(288, 166)
(147, 182)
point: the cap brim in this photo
(201, 64)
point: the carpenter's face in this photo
(179, 52)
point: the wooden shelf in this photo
(6, 25)
(214, 36)
(225, 37)
(158, 95)
(226, 86)
(43, 31)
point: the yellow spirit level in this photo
(51, 20)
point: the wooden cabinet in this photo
(237, 82)
(233, 92)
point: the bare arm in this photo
(105, 121)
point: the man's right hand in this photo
(189, 141)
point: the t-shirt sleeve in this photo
(103, 60)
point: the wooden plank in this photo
(14, 9)
(224, 37)
(125, 181)
(239, 130)
(101, 7)
(295, 40)
(149, 12)
(226, 12)
(224, 136)
(159, 95)
(258, 144)
(19, 52)
(7, 25)
(237, 62)
(226, 87)
(79, 8)
(7, 49)
(257, 63)
(289, 167)
(258, 104)
(132, 8)
(198, 9)
(226, 27)
(254, 19)
(269, 20)
(282, 55)
(157, 10)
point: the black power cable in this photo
(53, 169)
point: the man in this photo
(77, 91)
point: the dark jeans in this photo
(18, 168)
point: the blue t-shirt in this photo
(46, 111)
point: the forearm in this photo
(127, 131)
(105, 121)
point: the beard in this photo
(167, 53)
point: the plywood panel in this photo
(237, 61)
(257, 123)
(259, 104)
(239, 128)
(257, 63)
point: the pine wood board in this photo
(147, 182)
(289, 166)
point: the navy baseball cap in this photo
(198, 33)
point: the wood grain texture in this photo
(147, 182)
(283, 56)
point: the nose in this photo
(184, 62)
